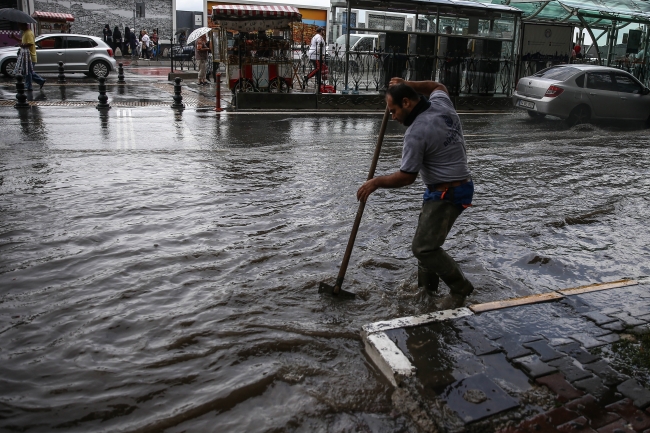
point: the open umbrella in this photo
(197, 34)
(11, 14)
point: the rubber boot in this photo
(459, 288)
(428, 280)
(457, 283)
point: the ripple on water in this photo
(174, 286)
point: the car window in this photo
(365, 44)
(353, 39)
(580, 81)
(557, 73)
(600, 81)
(626, 84)
(52, 43)
(79, 42)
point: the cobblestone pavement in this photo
(541, 367)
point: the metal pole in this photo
(593, 38)
(611, 44)
(218, 94)
(347, 43)
(514, 71)
(645, 54)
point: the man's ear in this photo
(406, 103)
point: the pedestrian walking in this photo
(434, 147)
(117, 39)
(108, 35)
(145, 45)
(126, 46)
(201, 55)
(26, 66)
(133, 42)
(314, 53)
(154, 44)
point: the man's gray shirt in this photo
(434, 144)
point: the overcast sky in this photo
(197, 5)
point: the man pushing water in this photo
(434, 147)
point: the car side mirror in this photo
(645, 91)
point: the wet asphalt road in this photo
(160, 271)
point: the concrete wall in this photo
(92, 15)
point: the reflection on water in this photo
(163, 274)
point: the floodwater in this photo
(160, 272)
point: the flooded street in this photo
(160, 272)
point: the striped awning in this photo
(52, 16)
(224, 12)
(250, 18)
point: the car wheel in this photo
(8, 67)
(536, 114)
(100, 69)
(581, 114)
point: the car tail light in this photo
(110, 52)
(553, 91)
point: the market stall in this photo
(52, 22)
(254, 44)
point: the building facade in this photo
(90, 16)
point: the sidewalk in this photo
(556, 362)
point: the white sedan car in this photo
(580, 93)
(80, 53)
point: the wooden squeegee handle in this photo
(362, 205)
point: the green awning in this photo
(599, 13)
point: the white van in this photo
(357, 42)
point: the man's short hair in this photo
(400, 91)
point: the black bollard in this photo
(178, 98)
(103, 99)
(21, 98)
(61, 76)
(120, 74)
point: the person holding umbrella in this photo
(201, 50)
(28, 44)
(201, 54)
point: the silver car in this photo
(580, 93)
(80, 53)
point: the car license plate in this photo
(526, 104)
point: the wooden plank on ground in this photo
(597, 287)
(514, 302)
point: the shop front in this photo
(52, 22)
